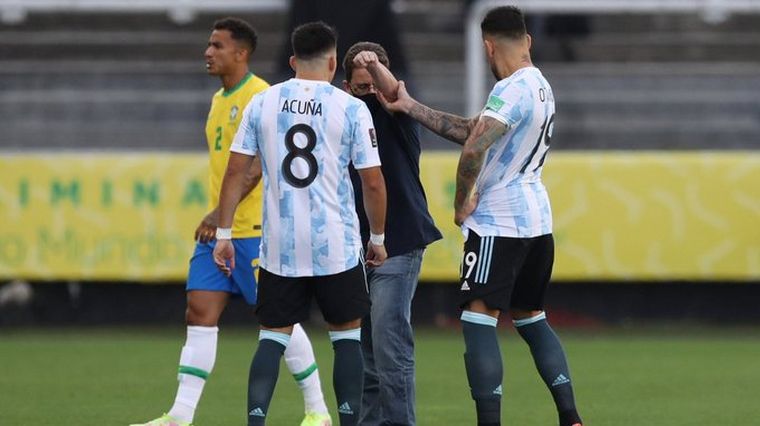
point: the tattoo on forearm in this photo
(449, 126)
(486, 132)
(467, 173)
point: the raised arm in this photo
(392, 93)
(487, 131)
(449, 126)
(383, 79)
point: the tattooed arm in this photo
(395, 98)
(452, 127)
(449, 126)
(487, 131)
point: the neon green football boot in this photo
(165, 420)
(317, 419)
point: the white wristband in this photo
(223, 233)
(377, 239)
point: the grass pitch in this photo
(118, 376)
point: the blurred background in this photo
(654, 171)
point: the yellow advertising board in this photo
(617, 215)
(630, 215)
(115, 216)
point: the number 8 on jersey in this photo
(304, 153)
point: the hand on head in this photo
(365, 58)
(403, 102)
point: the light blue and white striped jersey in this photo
(306, 133)
(512, 199)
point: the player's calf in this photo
(551, 364)
(348, 374)
(299, 358)
(262, 378)
(484, 366)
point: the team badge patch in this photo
(373, 138)
(234, 112)
(494, 103)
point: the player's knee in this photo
(201, 315)
(350, 325)
(479, 306)
(521, 314)
(284, 330)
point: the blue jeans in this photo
(388, 342)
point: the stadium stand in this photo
(135, 80)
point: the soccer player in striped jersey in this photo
(305, 133)
(505, 215)
(229, 49)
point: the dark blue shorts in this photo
(204, 275)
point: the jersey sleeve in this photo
(259, 85)
(246, 141)
(505, 104)
(364, 140)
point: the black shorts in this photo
(506, 273)
(285, 301)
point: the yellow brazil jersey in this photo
(222, 124)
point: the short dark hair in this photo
(348, 60)
(240, 31)
(313, 39)
(504, 21)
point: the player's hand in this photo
(206, 230)
(224, 256)
(466, 210)
(376, 255)
(403, 102)
(365, 58)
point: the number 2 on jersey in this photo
(304, 153)
(218, 141)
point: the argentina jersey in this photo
(306, 134)
(513, 201)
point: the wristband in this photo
(223, 233)
(377, 239)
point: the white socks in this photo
(195, 365)
(197, 361)
(299, 357)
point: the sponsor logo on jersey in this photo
(234, 112)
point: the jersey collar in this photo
(237, 86)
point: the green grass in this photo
(118, 376)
